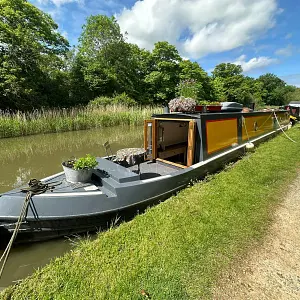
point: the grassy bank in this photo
(58, 120)
(177, 249)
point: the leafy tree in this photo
(292, 95)
(28, 41)
(275, 88)
(108, 63)
(231, 85)
(164, 72)
(227, 70)
(219, 89)
(229, 82)
(192, 71)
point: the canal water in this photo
(39, 156)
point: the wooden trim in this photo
(171, 163)
(170, 119)
(191, 143)
(146, 134)
(154, 139)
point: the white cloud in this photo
(286, 51)
(198, 27)
(255, 62)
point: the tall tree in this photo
(165, 69)
(28, 40)
(192, 70)
(275, 88)
(108, 64)
(219, 89)
(229, 77)
(227, 70)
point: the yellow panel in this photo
(283, 118)
(256, 125)
(221, 134)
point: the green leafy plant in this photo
(123, 99)
(87, 162)
(205, 102)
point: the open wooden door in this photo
(191, 143)
(150, 138)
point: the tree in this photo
(275, 88)
(164, 72)
(192, 71)
(28, 41)
(292, 95)
(219, 89)
(230, 82)
(108, 64)
(227, 70)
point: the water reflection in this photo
(39, 156)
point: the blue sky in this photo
(261, 35)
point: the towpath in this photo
(271, 270)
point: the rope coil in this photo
(35, 187)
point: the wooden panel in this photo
(174, 119)
(221, 134)
(153, 125)
(172, 151)
(171, 163)
(146, 133)
(154, 139)
(191, 144)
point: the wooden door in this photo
(191, 143)
(150, 138)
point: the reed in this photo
(78, 118)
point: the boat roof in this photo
(192, 116)
(177, 115)
(294, 103)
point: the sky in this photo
(261, 35)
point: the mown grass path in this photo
(177, 249)
(270, 270)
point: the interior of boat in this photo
(170, 141)
(169, 145)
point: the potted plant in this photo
(206, 106)
(80, 169)
(182, 104)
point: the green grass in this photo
(177, 249)
(59, 120)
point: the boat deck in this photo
(149, 169)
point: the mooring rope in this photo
(245, 128)
(35, 187)
(282, 129)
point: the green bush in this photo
(124, 99)
(101, 101)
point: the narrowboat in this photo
(294, 109)
(178, 148)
